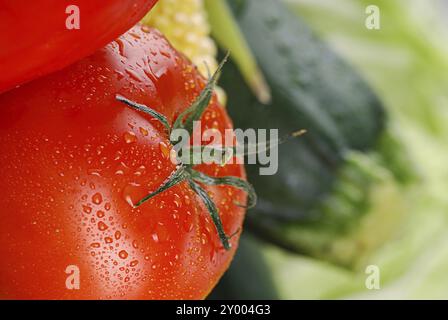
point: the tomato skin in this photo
(34, 40)
(72, 157)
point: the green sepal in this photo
(195, 111)
(211, 207)
(175, 178)
(145, 109)
(230, 181)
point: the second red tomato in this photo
(41, 36)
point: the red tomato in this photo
(35, 41)
(72, 158)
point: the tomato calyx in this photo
(185, 172)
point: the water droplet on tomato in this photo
(129, 201)
(108, 240)
(122, 169)
(123, 254)
(188, 222)
(140, 171)
(203, 239)
(102, 226)
(130, 137)
(144, 132)
(94, 172)
(146, 29)
(118, 156)
(165, 149)
(120, 44)
(161, 233)
(165, 53)
(97, 198)
(177, 200)
(100, 214)
(133, 193)
(87, 209)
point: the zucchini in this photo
(327, 179)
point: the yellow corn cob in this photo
(184, 23)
